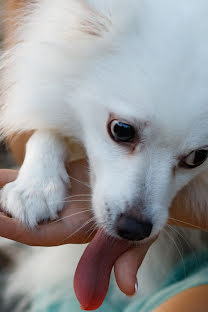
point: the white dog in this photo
(128, 79)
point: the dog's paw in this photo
(34, 200)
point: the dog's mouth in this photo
(93, 272)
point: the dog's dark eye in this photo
(194, 159)
(121, 132)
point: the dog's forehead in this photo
(158, 67)
(158, 71)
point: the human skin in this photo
(191, 300)
(69, 229)
(180, 214)
(57, 233)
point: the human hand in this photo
(74, 226)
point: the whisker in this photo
(75, 200)
(66, 201)
(77, 195)
(190, 224)
(79, 229)
(69, 216)
(93, 228)
(81, 182)
(175, 244)
(186, 241)
(85, 166)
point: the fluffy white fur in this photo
(76, 62)
(47, 183)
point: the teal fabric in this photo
(191, 272)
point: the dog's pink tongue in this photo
(93, 272)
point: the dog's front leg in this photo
(40, 189)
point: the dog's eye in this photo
(194, 159)
(121, 132)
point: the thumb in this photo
(126, 268)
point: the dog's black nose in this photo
(132, 229)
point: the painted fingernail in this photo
(136, 286)
(135, 289)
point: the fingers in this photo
(49, 234)
(7, 176)
(12, 229)
(126, 268)
(72, 226)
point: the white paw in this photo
(36, 199)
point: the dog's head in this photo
(145, 118)
(138, 164)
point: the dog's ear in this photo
(191, 203)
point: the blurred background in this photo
(6, 160)
(8, 250)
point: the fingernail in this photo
(135, 290)
(136, 286)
